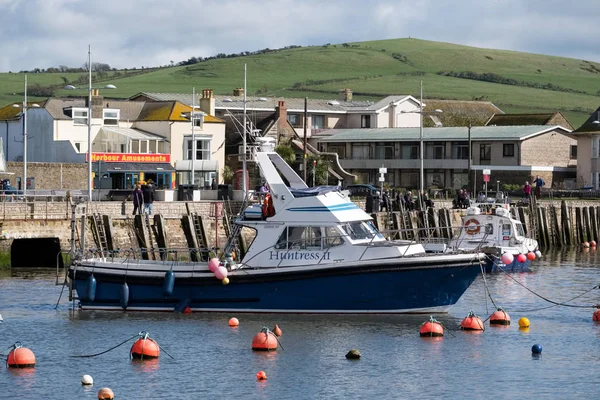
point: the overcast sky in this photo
(135, 33)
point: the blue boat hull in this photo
(494, 264)
(369, 289)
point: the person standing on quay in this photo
(527, 190)
(148, 192)
(539, 182)
(138, 199)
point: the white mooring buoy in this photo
(87, 380)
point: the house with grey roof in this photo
(588, 151)
(513, 154)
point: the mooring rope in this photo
(106, 351)
(555, 303)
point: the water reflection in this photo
(146, 366)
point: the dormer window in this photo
(110, 117)
(198, 118)
(80, 116)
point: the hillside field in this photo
(514, 81)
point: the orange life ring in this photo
(470, 229)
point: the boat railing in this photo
(140, 255)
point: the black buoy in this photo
(91, 289)
(169, 283)
(124, 298)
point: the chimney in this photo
(281, 112)
(346, 95)
(97, 101)
(237, 92)
(207, 102)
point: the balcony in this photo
(404, 164)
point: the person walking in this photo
(138, 199)
(539, 182)
(148, 193)
(527, 190)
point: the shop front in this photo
(122, 171)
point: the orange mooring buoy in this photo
(261, 376)
(105, 394)
(596, 316)
(277, 330)
(471, 323)
(233, 322)
(20, 357)
(265, 340)
(431, 328)
(144, 348)
(500, 317)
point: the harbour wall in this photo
(39, 219)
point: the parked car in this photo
(362, 190)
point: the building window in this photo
(202, 149)
(110, 117)
(409, 151)
(78, 147)
(339, 149)
(573, 152)
(365, 121)
(460, 151)
(409, 179)
(435, 151)
(294, 120)
(361, 151)
(485, 152)
(318, 121)
(198, 118)
(435, 178)
(508, 150)
(384, 151)
(80, 116)
(460, 179)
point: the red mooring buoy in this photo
(20, 357)
(500, 317)
(265, 340)
(144, 348)
(431, 328)
(596, 316)
(471, 323)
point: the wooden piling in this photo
(109, 231)
(579, 226)
(190, 236)
(142, 235)
(521, 212)
(565, 220)
(161, 236)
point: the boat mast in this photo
(193, 157)
(244, 183)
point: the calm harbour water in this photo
(212, 360)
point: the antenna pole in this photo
(193, 157)
(304, 144)
(244, 183)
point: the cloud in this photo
(128, 33)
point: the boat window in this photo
(519, 229)
(506, 229)
(359, 230)
(300, 237)
(282, 242)
(332, 237)
(489, 229)
(295, 236)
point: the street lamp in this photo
(89, 118)
(25, 107)
(421, 113)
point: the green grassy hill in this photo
(516, 82)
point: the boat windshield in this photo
(519, 229)
(360, 230)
